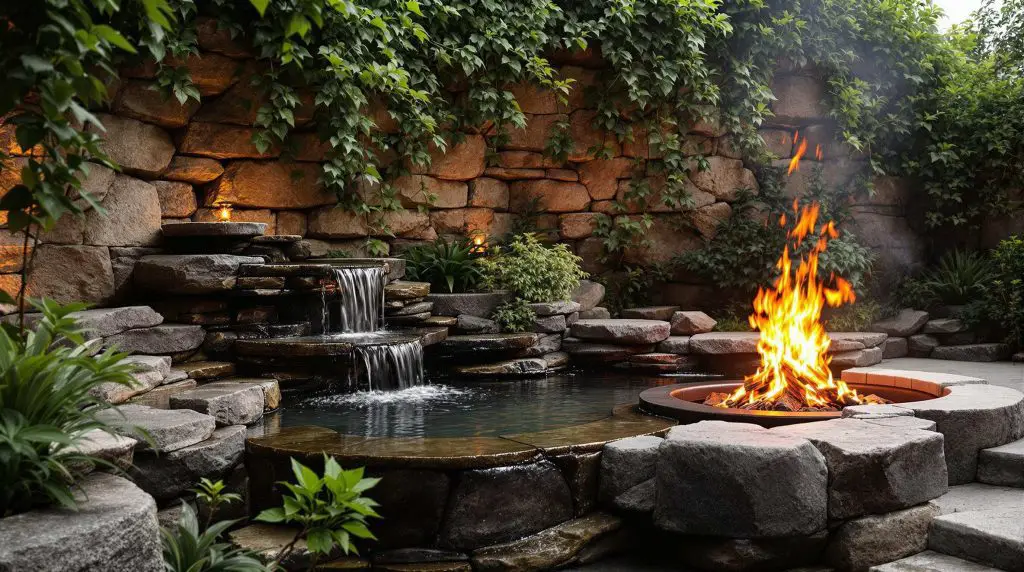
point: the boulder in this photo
(544, 344)
(194, 170)
(679, 345)
(130, 217)
(71, 274)
(474, 325)
(717, 343)
(549, 324)
(624, 332)
(550, 196)
(972, 417)
(170, 475)
(137, 147)
(598, 313)
(489, 506)
(190, 273)
(943, 326)
(548, 549)
(145, 101)
(690, 323)
(972, 352)
(627, 463)
(270, 184)
(588, 294)
(161, 340)
(556, 360)
(907, 323)
(921, 345)
(895, 348)
(873, 468)
(159, 430)
(114, 530)
(230, 403)
(637, 500)
(741, 481)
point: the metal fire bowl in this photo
(684, 402)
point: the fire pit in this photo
(685, 403)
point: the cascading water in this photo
(362, 298)
(381, 366)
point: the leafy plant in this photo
(329, 510)
(186, 548)
(960, 278)
(1004, 300)
(856, 317)
(449, 266)
(514, 316)
(211, 494)
(48, 380)
(534, 272)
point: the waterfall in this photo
(392, 366)
(362, 298)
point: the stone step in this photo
(1003, 465)
(207, 370)
(991, 537)
(930, 561)
(978, 496)
(168, 476)
(159, 430)
(230, 403)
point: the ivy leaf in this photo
(36, 64)
(114, 37)
(414, 7)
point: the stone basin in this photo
(213, 229)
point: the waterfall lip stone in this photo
(285, 269)
(213, 229)
(319, 346)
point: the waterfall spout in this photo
(362, 298)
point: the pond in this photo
(481, 407)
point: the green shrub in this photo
(47, 380)
(1004, 299)
(515, 316)
(534, 272)
(448, 266)
(330, 510)
(855, 317)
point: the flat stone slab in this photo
(144, 363)
(553, 308)
(978, 496)
(479, 304)
(972, 352)
(515, 367)
(856, 358)
(861, 543)
(548, 549)
(115, 449)
(190, 273)
(906, 323)
(206, 370)
(718, 343)
(168, 476)
(487, 342)
(626, 332)
(602, 351)
(214, 229)
(971, 418)
(675, 345)
(740, 481)
(405, 290)
(930, 561)
(230, 403)
(991, 537)
(1003, 465)
(866, 339)
(873, 468)
(114, 530)
(300, 346)
(927, 381)
(160, 430)
(103, 322)
(663, 313)
(162, 339)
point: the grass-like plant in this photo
(533, 271)
(449, 266)
(329, 510)
(960, 277)
(47, 379)
(187, 548)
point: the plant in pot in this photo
(454, 270)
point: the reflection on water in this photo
(482, 407)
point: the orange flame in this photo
(794, 163)
(793, 343)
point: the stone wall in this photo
(180, 161)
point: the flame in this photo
(224, 213)
(794, 163)
(793, 343)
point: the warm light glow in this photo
(479, 241)
(224, 213)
